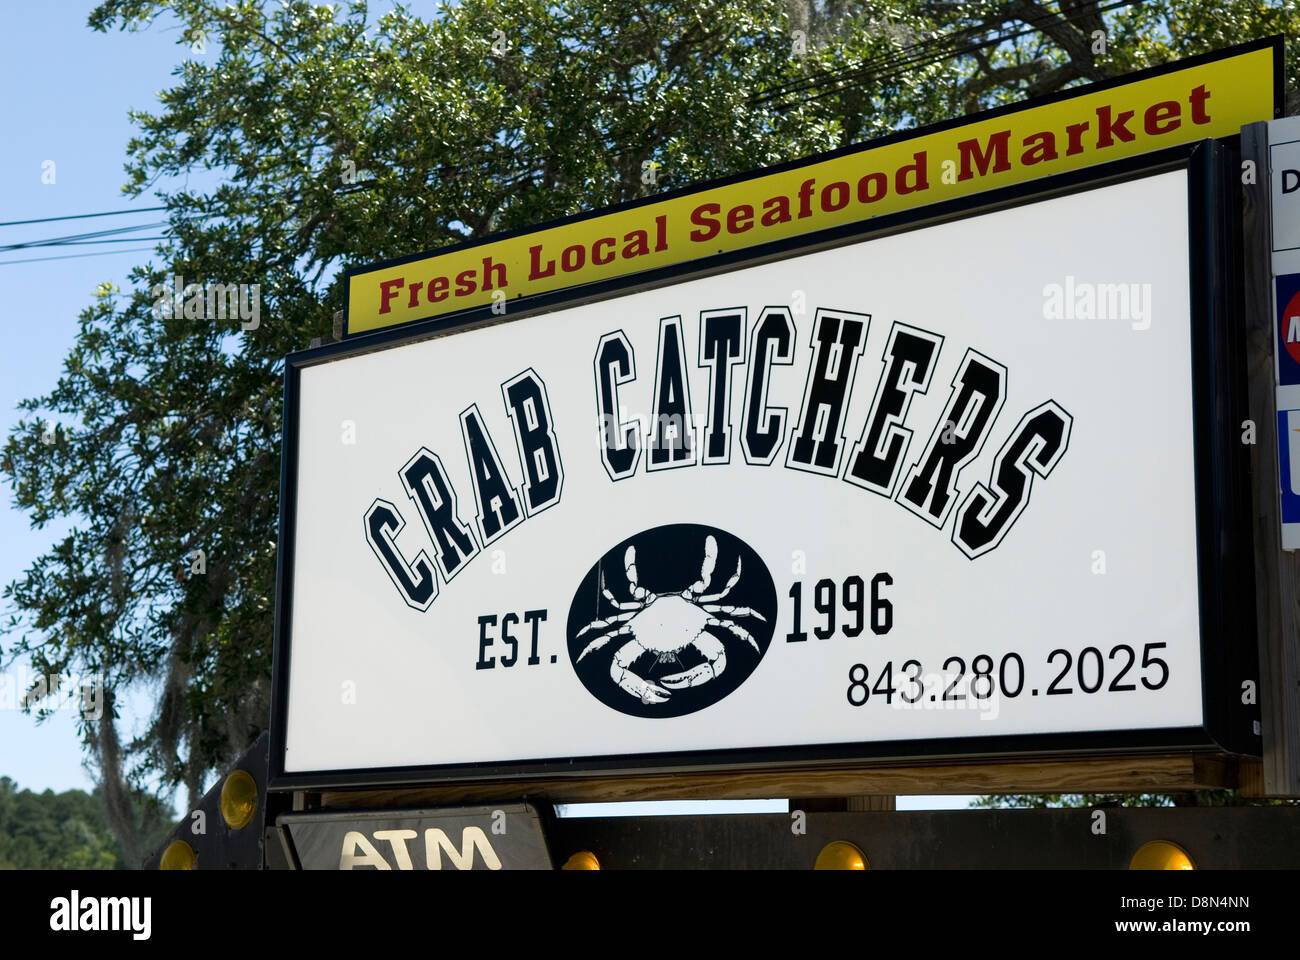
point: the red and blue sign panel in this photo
(1288, 434)
(1288, 329)
(1288, 405)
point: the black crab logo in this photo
(652, 634)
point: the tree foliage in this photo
(59, 831)
(485, 115)
(1188, 798)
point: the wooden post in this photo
(1277, 572)
(874, 802)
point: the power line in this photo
(919, 54)
(75, 237)
(91, 243)
(80, 216)
(893, 60)
(915, 63)
(916, 56)
(74, 256)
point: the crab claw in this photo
(643, 690)
(715, 661)
(689, 678)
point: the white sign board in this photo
(1284, 189)
(933, 486)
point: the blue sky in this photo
(68, 90)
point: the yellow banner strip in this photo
(1211, 99)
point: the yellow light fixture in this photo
(841, 855)
(179, 855)
(238, 799)
(1161, 855)
(582, 860)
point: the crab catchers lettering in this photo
(675, 617)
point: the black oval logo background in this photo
(668, 562)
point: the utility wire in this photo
(918, 55)
(80, 216)
(894, 61)
(915, 64)
(75, 237)
(91, 243)
(74, 256)
(918, 52)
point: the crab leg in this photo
(715, 661)
(725, 590)
(735, 628)
(602, 624)
(604, 638)
(619, 604)
(733, 611)
(629, 565)
(706, 568)
(620, 669)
